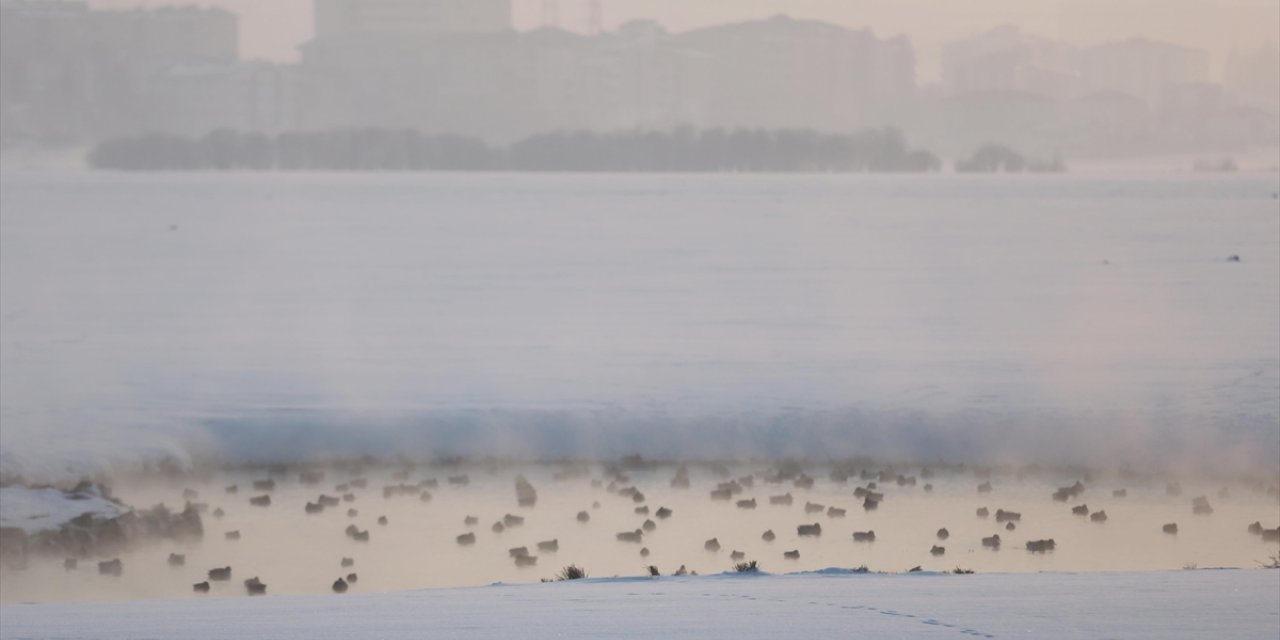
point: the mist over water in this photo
(300, 553)
(273, 317)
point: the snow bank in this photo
(34, 510)
(66, 447)
(1186, 604)
(753, 432)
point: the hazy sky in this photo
(273, 28)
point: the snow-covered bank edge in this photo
(35, 509)
(82, 522)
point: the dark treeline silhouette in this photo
(370, 149)
(720, 150)
(995, 158)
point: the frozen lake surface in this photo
(277, 316)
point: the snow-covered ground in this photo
(34, 510)
(1181, 604)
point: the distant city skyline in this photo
(273, 30)
(78, 73)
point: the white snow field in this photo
(834, 603)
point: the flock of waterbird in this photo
(616, 481)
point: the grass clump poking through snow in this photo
(747, 567)
(961, 572)
(1272, 563)
(571, 572)
(653, 571)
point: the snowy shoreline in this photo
(35, 509)
(1174, 604)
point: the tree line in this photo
(376, 149)
(995, 158)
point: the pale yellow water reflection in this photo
(294, 552)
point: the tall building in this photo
(1253, 77)
(1006, 60)
(69, 72)
(1142, 68)
(159, 37)
(411, 17)
(776, 73)
(783, 72)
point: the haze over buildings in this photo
(410, 17)
(273, 30)
(74, 74)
